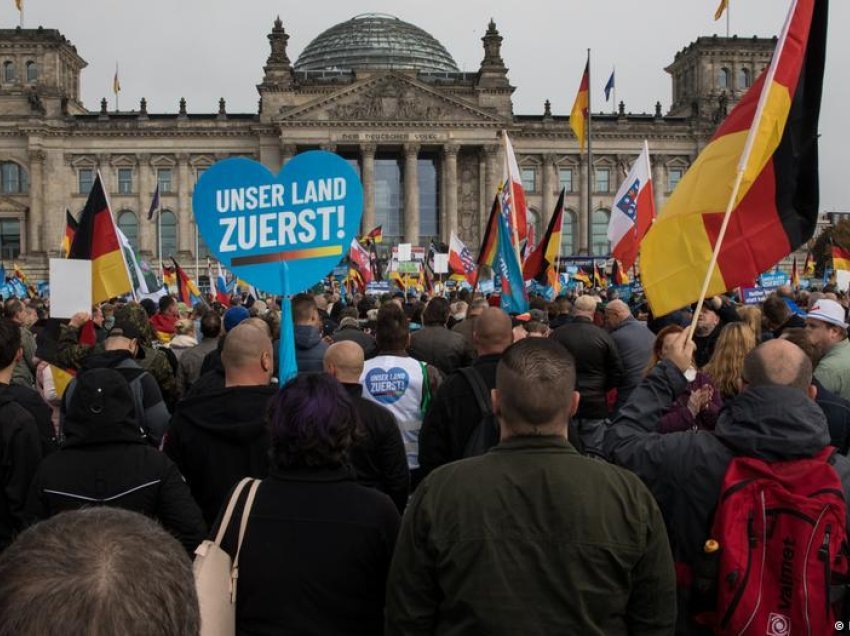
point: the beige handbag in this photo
(216, 573)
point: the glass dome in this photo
(378, 41)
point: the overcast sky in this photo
(206, 49)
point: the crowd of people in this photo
(436, 466)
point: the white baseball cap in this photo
(829, 311)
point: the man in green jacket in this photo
(532, 538)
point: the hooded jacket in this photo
(218, 438)
(309, 349)
(105, 460)
(685, 470)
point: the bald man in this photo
(219, 437)
(774, 418)
(378, 455)
(634, 343)
(455, 411)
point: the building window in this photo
(128, 223)
(388, 199)
(10, 238)
(603, 180)
(13, 177)
(125, 180)
(568, 231)
(565, 178)
(429, 197)
(85, 178)
(163, 179)
(529, 179)
(674, 175)
(723, 78)
(8, 71)
(599, 233)
(168, 232)
(32, 72)
(744, 80)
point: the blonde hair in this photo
(751, 315)
(183, 327)
(736, 340)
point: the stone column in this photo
(491, 157)
(548, 187)
(450, 187)
(35, 218)
(185, 222)
(367, 177)
(659, 186)
(484, 199)
(287, 152)
(411, 193)
(584, 214)
(147, 229)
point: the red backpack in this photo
(779, 534)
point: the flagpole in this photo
(197, 265)
(159, 230)
(614, 75)
(589, 163)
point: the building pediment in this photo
(389, 97)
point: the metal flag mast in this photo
(589, 165)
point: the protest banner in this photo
(282, 233)
(441, 263)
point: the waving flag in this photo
(809, 265)
(578, 115)
(840, 258)
(619, 276)
(513, 195)
(360, 261)
(187, 290)
(223, 289)
(633, 211)
(721, 8)
(514, 299)
(766, 151)
(460, 259)
(376, 235)
(542, 264)
(70, 230)
(609, 86)
(489, 248)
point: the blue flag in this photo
(514, 298)
(154, 203)
(609, 86)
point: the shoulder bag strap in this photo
(243, 525)
(228, 513)
(479, 389)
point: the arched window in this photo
(13, 178)
(168, 230)
(8, 71)
(723, 78)
(599, 233)
(568, 232)
(128, 223)
(32, 72)
(744, 80)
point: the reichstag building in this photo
(380, 92)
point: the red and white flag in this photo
(513, 193)
(360, 260)
(460, 259)
(633, 211)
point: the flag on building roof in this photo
(619, 275)
(840, 258)
(633, 211)
(187, 290)
(578, 115)
(774, 165)
(721, 9)
(460, 259)
(513, 195)
(809, 265)
(154, 203)
(542, 264)
(96, 240)
(489, 247)
(514, 299)
(70, 230)
(609, 86)
(116, 84)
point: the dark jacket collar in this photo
(490, 358)
(354, 389)
(535, 442)
(324, 474)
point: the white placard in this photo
(441, 263)
(404, 250)
(70, 287)
(842, 279)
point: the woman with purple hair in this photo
(318, 544)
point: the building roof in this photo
(375, 41)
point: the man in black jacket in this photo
(377, 455)
(599, 369)
(454, 412)
(105, 460)
(219, 437)
(437, 345)
(774, 418)
(20, 446)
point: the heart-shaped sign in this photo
(255, 222)
(387, 386)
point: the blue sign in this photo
(773, 279)
(624, 292)
(387, 386)
(305, 217)
(378, 287)
(756, 295)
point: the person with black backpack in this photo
(756, 509)
(460, 422)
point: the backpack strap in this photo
(479, 390)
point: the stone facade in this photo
(54, 144)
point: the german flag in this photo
(169, 276)
(375, 235)
(187, 290)
(598, 276)
(840, 258)
(542, 264)
(619, 276)
(579, 113)
(582, 276)
(795, 275)
(97, 241)
(489, 248)
(809, 265)
(70, 230)
(768, 147)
